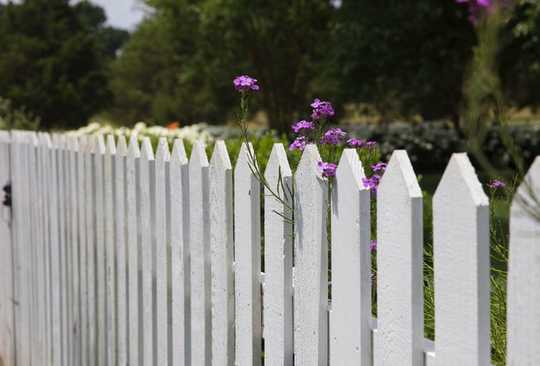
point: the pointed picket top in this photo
(42, 137)
(162, 151)
(277, 164)
(198, 155)
(110, 147)
(122, 148)
(179, 152)
(350, 168)
(308, 164)
(244, 163)
(134, 149)
(523, 297)
(461, 266)
(400, 320)
(92, 144)
(460, 175)
(400, 173)
(100, 144)
(146, 149)
(220, 157)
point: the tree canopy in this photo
(54, 60)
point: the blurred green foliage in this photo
(13, 118)
(54, 59)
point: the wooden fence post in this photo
(7, 331)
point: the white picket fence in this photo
(112, 255)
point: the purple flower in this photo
(373, 245)
(355, 143)
(372, 183)
(328, 169)
(245, 83)
(379, 167)
(321, 109)
(333, 136)
(298, 144)
(370, 144)
(303, 125)
(496, 184)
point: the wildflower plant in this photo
(317, 130)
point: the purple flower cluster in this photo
(496, 184)
(298, 144)
(333, 136)
(373, 245)
(321, 109)
(372, 183)
(379, 167)
(303, 126)
(328, 169)
(245, 83)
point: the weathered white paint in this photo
(461, 264)
(311, 262)
(110, 246)
(146, 164)
(350, 332)
(21, 251)
(132, 240)
(74, 324)
(178, 237)
(222, 256)
(91, 247)
(81, 238)
(524, 273)
(121, 251)
(7, 331)
(99, 215)
(161, 249)
(247, 255)
(400, 320)
(55, 256)
(278, 256)
(199, 241)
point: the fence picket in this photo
(400, 321)
(524, 272)
(110, 246)
(311, 262)
(20, 252)
(222, 256)
(99, 216)
(81, 239)
(247, 257)
(55, 292)
(178, 235)
(91, 249)
(145, 236)
(75, 324)
(121, 251)
(161, 248)
(350, 315)
(7, 268)
(278, 256)
(461, 263)
(42, 237)
(132, 239)
(201, 347)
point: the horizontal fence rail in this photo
(111, 254)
